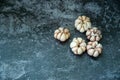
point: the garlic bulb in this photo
(78, 46)
(62, 34)
(93, 34)
(94, 49)
(82, 23)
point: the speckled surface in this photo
(28, 50)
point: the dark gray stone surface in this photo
(28, 50)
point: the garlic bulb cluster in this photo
(78, 46)
(82, 23)
(62, 34)
(94, 49)
(93, 34)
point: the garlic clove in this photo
(90, 52)
(92, 38)
(73, 44)
(75, 39)
(99, 46)
(59, 35)
(97, 38)
(67, 36)
(94, 44)
(92, 34)
(99, 32)
(89, 46)
(82, 29)
(79, 40)
(78, 27)
(83, 17)
(76, 22)
(87, 19)
(63, 37)
(66, 30)
(57, 31)
(94, 28)
(55, 35)
(99, 50)
(88, 24)
(80, 17)
(74, 50)
(88, 37)
(90, 43)
(83, 44)
(80, 51)
(96, 54)
(83, 48)
(85, 27)
(61, 29)
(88, 33)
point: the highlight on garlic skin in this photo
(93, 34)
(62, 34)
(94, 49)
(82, 23)
(78, 46)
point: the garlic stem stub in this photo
(82, 23)
(94, 49)
(61, 34)
(78, 46)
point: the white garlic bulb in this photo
(93, 34)
(62, 34)
(94, 49)
(78, 46)
(82, 23)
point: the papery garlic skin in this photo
(78, 46)
(94, 49)
(82, 23)
(62, 34)
(93, 34)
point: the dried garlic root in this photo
(62, 34)
(78, 46)
(82, 23)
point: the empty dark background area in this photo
(28, 50)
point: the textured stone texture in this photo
(28, 50)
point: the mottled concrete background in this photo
(28, 50)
